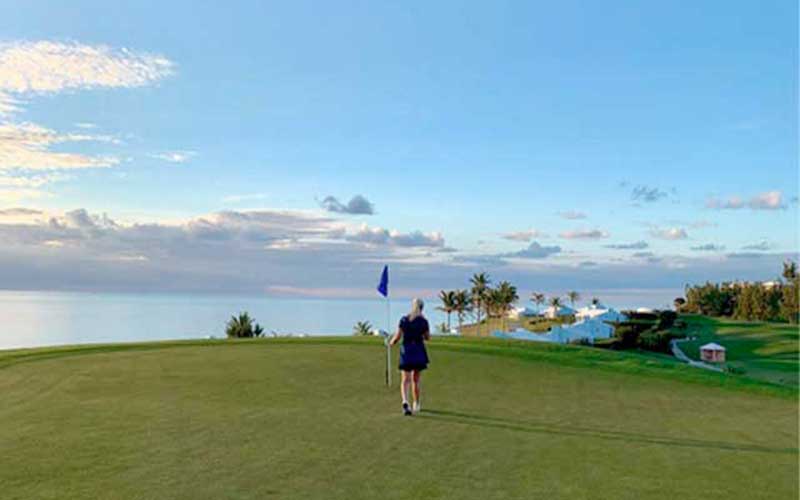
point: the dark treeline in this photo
(762, 301)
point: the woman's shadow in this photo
(597, 433)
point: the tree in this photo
(243, 326)
(480, 285)
(448, 304)
(462, 304)
(506, 296)
(538, 299)
(789, 270)
(790, 299)
(363, 328)
(573, 297)
(555, 303)
(595, 301)
(679, 302)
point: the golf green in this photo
(311, 418)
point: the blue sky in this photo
(474, 130)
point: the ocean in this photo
(33, 319)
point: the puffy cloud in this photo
(639, 245)
(586, 234)
(534, 251)
(709, 247)
(254, 251)
(572, 215)
(358, 205)
(670, 233)
(647, 194)
(381, 236)
(45, 67)
(175, 156)
(770, 200)
(524, 235)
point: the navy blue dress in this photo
(413, 355)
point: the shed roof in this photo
(712, 347)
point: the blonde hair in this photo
(416, 309)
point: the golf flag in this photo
(383, 286)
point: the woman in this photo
(414, 331)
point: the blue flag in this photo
(383, 286)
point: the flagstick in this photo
(388, 346)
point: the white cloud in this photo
(588, 234)
(25, 146)
(175, 156)
(670, 233)
(381, 236)
(44, 67)
(30, 69)
(524, 236)
(769, 200)
(16, 195)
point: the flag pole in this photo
(388, 346)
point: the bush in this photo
(362, 328)
(657, 341)
(243, 326)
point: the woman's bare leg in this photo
(405, 381)
(415, 385)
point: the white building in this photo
(600, 313)
(558, 312)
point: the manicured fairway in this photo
(766, 351)
(310, 418)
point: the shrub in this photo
(243, 326)
(362, 328)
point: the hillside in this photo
(310, 418)
(761, 350)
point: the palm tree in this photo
(480, 285)
(789, 270)
(494, 303)
(573, 297)
(555, 304)
(243, 326)
(362, 328)
(448, 304)
(507, 295)
(595, 301)
(538, 299)
(461, 305)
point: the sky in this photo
(294, 148)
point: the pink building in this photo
(713, 353)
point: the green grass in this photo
(765, 351)
(310, 418)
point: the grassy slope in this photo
(310, 419)
(765, 351)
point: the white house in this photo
(522, 312)
(553, 312)
(600, 313)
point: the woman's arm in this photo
(426, 334)
(396, 337)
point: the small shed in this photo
(713, 353)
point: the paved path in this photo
(678, 353)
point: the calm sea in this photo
(29, 319)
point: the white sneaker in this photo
(416, 407)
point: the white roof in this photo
(712, 347)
